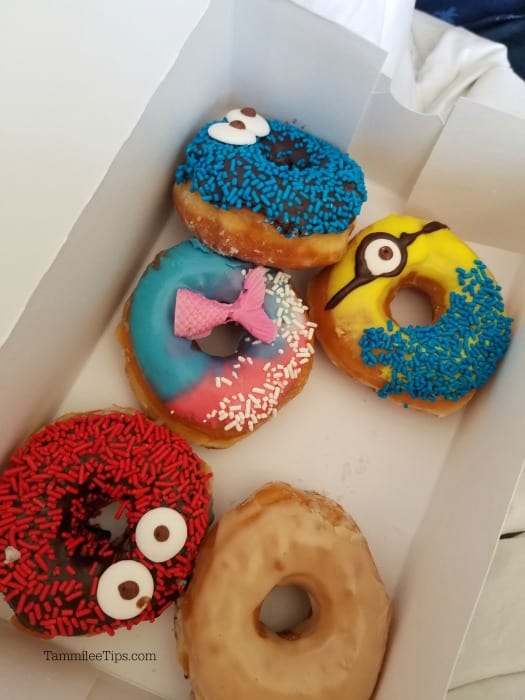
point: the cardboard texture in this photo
(430, 495)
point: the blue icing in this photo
(172, 364)
(452, 357)
(302, 184)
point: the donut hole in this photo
(411, 306)
(223, 341)
(285, 610)
(106, 521)
(287, 152)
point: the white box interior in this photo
(429, 494)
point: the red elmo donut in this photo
(63, 575)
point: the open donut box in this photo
(429, 494)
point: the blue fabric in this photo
(499, 20)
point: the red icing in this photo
(60, 479)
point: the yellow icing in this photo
(434, 256)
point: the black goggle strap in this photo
(404, 240)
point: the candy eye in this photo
(382, 256)
(254, 122)
(234, 133)
(125, 589)
(161, 533)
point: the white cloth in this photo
(431, 63)
(449, 62)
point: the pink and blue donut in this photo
(211, 400)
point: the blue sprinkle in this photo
(452, 357)
(306, 198)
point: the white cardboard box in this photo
(430, 495)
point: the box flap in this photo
(479, 158)
(286, 69)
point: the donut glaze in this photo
(283, 536)
(212, 400)
(435, 368)
(263, 195)
(64, 575)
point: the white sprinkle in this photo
(241, 358)
(235, 375)
(281, 351)
(267, 366)
(257, 390)
(217, 382)
(250, 361)
(304, 361)
(227, 381)
(11, 554)
(230, 425)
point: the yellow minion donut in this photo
(435, 368)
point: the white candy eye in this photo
(161, 533)
(235, 133)
(382, 255)
(254, 122)
(125, 589)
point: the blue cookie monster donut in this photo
(294, 185)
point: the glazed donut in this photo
(210, 400)
(435, 368)
(63, 575)
(282, 536)
(268, 192)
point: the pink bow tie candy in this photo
(196, 315)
